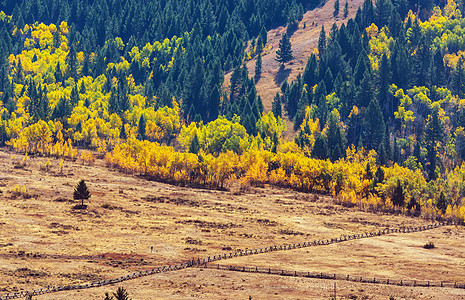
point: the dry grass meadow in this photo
(45, 242)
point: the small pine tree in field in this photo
(284, 53)
(81, 192)
(121, 294)
(108, 297)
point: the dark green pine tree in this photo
(33, 106)
(122, 133)
(194, 147)
(276, 107)
(258, 67)
(62, 110)
(141, 128)
(113, 105)
(284, 53)
(320, 148)
(398, 197)
(362, 66)
(309, 78)
(433, 139)
(74, 98)
(19, 78)
(438, 70)
(58, 73)
(121, 294)
(374, 126)
(365, 91)
(441, 203)
(459, 78)
(336, 8)
(322, 42)
(81, 192)
(45, 105)
(71, 60)
(335, 139)
(383, 93)
(263, 35)
(346, 9)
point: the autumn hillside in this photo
(304, 42)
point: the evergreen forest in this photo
(376, 119)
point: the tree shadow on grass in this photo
(282, 75)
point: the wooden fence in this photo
(205, 261)
(400, 282)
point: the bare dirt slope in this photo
(304, 41)
(45, 242)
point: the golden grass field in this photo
(45, 242)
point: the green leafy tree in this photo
(81, 192)
(284, 53)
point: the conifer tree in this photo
(121, 294)
(398, 197)
(441, 203)
(122, 133)
(263, 35)
(258, 66)
(284, 53)
(276, 106)
(320, 148)
(374, 126)
(346, 9)
(194, 147)
(141, 128)
(459, 78)
(322, 42)
(336, 8)
(81, 192)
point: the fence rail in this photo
(208, 260)
(400, 282)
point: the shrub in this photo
(429, 245)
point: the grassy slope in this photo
(127, 215)
(304, 41)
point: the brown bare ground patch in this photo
(115, 235)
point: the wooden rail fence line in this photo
(209, 259)
(319, 275)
